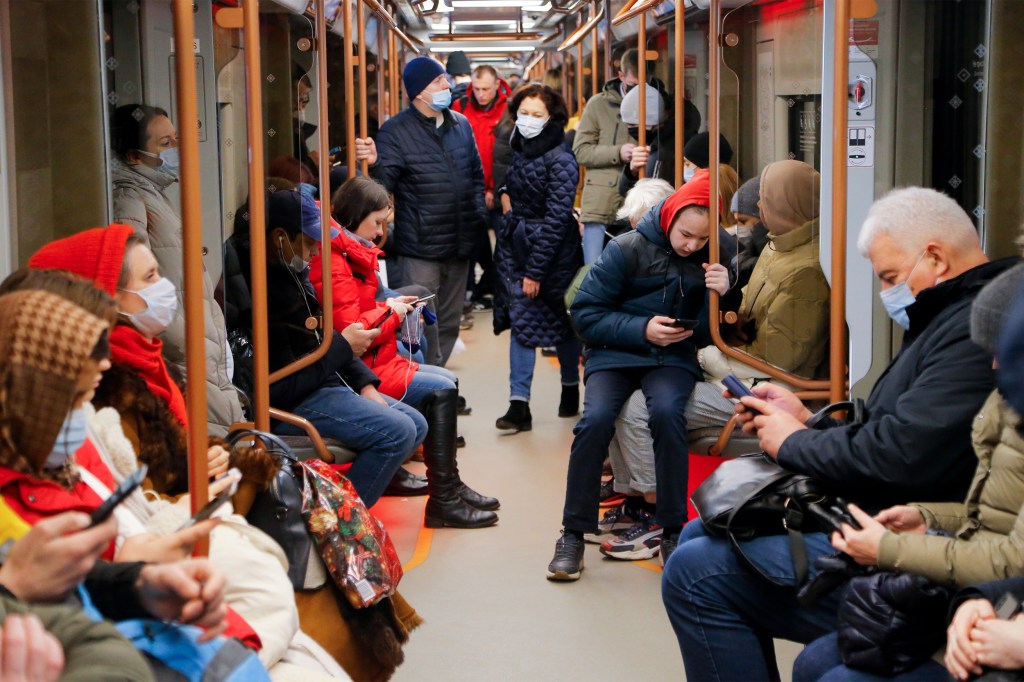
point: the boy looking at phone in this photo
(625, 311)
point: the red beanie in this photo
(97, 254)
(696, 192)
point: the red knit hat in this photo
(97, 254)
(696, 192)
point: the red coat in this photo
(354, 273)
(484, 122)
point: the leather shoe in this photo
(406, 484)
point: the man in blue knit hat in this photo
(427, 158)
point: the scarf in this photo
(129, 347)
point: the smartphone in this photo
(738, 389)
(380, 320)
(423, 299)
(218, 501)
(842, 508)
(682, 324)
(1007, 607)
(333, 151)
(127, 487)
(830, 520)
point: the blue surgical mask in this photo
(898, 298)
(161, 305)
(439, 101)
(171, 161)
(70, 438)
(529, 126)
(688, 173)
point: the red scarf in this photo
(129, 347)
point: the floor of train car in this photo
(490, 613)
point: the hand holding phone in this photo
(127, 487)
(683, 324)
(738, 389)
(380, 320)
(423, 299)
(219, 500)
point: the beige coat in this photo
(988, 527)
(599, 136)
(140, 202)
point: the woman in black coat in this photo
(538, 251)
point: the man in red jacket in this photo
(484, 106)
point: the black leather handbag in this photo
(277, 511)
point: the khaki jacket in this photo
(599, 136)
(988, 527)
(787, 298)
(140, 202)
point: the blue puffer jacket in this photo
(539, 238)
(438, 183)
(637, 277)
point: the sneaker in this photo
(615, 522)
(640, 542)
(668, 545)
(568, 560)
(549, 351)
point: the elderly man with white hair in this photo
(913, 444)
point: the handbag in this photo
(277, 511)
(752, 495)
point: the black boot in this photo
(569, 406)
(446, 506)
(517, 418)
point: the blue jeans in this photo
(593, 242)
(522, 360)
(725, 616)
(383, 436)
(666, 389)
(425, 381)
(822, 662)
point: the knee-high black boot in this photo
(448, 504)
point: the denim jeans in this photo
(725, 616)
(425, 381)
(822, 662)
(593, 242)
(666, 390)
(384, 436)
(522, 360)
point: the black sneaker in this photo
(567, 563)
(668, 545)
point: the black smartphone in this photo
(217, 502)
(842, 508)
(380, 320)
(682, 324)
(103, 512)
(826, 517)
(423, 299)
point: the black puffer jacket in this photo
(438, 182)
(539, 238)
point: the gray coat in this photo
(140, 202)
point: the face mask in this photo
(688, 173)
(161, 304)
(439, 101)
(70, 438)
(898, 298)
(171, 162)
(634, 132)
(296, 264)
(530, 127)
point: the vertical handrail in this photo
(393, 93)
(382, 34)
(579, 77)
(350, 105)
(680, 30)
(840, 78)
(257, 215)
(641, 76)
(364, 125)
(192, 226)
(594, 84)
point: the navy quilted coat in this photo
(539, 238)
(637, 277)
(438, 183)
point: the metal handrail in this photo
(364, 125)
(680, 87)
(578, 35)
(840, 77)
(641, 76)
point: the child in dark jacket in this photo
(642, 311)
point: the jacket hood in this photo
(790, 195)
(933, 300)
(697, 192)
(350, 247)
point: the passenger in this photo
(296, 172)
(538, 253)
(514, 80)
(728, 183)
(145, 167)
(915, 442)
(338, 393)
(976, 542)
(977, 637)
(484, 105)
(644, 195)
(625, 311)
(304, 118)
(426, 157)
(697, 154)
(362, 207)
(602, 145)
(457, 66)
(657, 158)
(751, 233)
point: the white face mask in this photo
(161, 299)
(530, 126)
(70, 438)
(688, 172)
(295, 264)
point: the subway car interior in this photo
(265, 98)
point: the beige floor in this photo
(490, 613)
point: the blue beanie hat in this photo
(419, 73)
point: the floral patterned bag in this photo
(353, 544)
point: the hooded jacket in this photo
(638, 276)
(599, 136)
(539, 238)
(354, 275)
(140, 202)
(484, 121)
(438, 182)
(915, 442)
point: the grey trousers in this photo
(447, 279)
(632, 448)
